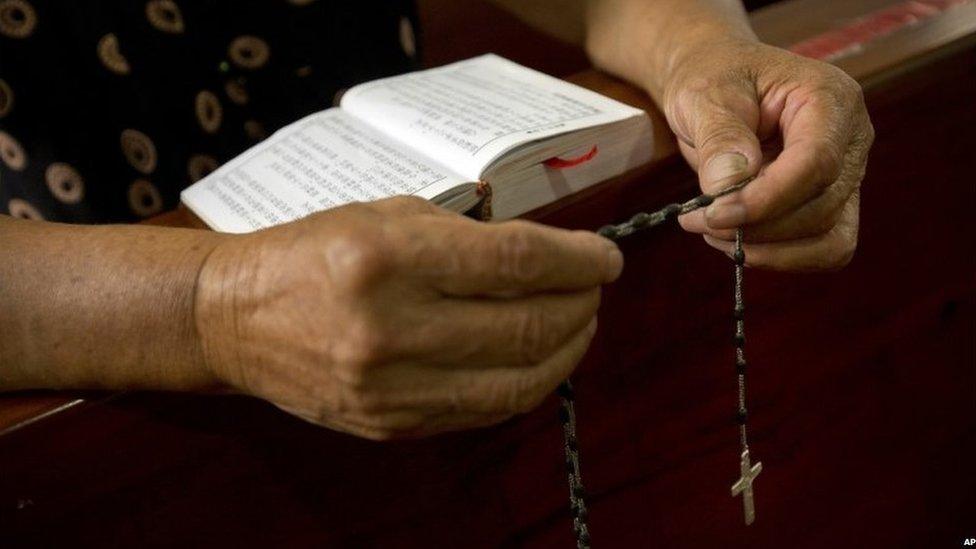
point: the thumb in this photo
(728, 151)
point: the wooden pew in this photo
(863, 387)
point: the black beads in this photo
(739, 312)
(563, 415)
(739, 257)
(739, 339)
(565, 390)
(703, 201)
(741, 416)
(740, 366)
(609, 231)
(671, 211)
(641, 220)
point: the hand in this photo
(399, 319)
(740, 108)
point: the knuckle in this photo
(840, 84)
(869, 133)
(828, 162)
(841, 252)
(363, 344)
(358, 259)
(518, 258)
(853, 89)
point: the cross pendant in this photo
(748, 474)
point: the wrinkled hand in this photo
(740, 108)
(398, 319)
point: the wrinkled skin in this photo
(398, 319)
(742, 108)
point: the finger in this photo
(722, 144)
(770, 146)
(811, 219)
(816, 133)
(518, 390)
(719, 122)
(491, 333)
(829, 251)
(507, 390)
(514, 257)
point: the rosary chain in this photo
(739, 257)
(567, 398)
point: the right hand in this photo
(397, 318)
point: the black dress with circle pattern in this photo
(109, 109)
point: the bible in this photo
(484, 135)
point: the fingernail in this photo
(725, 214)
(616, 263)
(723, 168)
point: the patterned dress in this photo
(109, 109)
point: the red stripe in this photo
(849, 38)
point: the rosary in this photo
(567, 411)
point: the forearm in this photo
(643, 40)
(100, 306)
(638, 40)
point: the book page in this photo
(469, 113)
(324, 160)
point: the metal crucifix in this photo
(743, 486)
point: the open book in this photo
(457, 134)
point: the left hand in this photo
(740, 108)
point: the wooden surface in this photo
(863, 393)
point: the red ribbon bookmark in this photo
(557, 163)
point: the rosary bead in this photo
(741, 416)
(640, 220)
(740, 366)
(671, 211)
(704, 200)
(609, 231)
(572, 444)
(565, 390)
(739, 339)
(563, 415)
(739, 312)
(579, 492)
(739, 257)
(584, 538)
